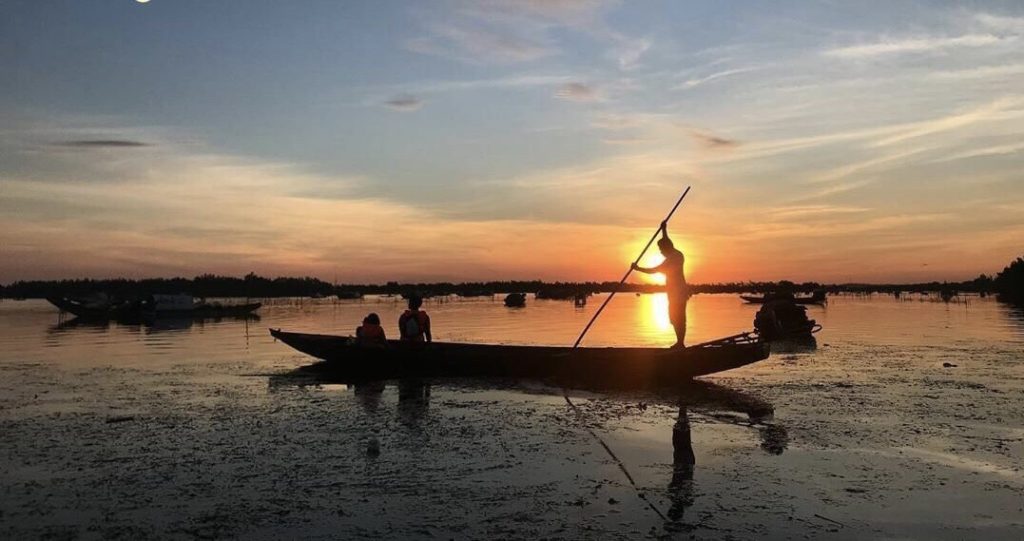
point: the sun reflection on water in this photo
(654, 312)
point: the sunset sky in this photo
(499, 139)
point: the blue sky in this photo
(500, 139)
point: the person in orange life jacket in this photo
(414, 324)
(675, 283)
(370, 333)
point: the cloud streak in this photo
(713, 142)
(102, 143)
(404, 103)
(915, 45)
(577, 92)
(698, 81)
(1000, 22)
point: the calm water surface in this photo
(193, 429)
(32, 330)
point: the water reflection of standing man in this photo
(675, 283)
(683, 462)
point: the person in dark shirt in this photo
(414, 324)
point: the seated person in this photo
(414, 324)
(370, 333)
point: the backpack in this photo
(412, 328)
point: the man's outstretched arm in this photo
(646, 270)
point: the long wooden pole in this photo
(630, 271)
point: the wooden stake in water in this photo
(628, 272)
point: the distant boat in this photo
(94, 307)
(515, 300)
(613, 367)
(350, 295)
(818, 297)
(784, 320)
(150, 307)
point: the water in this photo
(193, 429)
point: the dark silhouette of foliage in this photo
(252, 285)
(1009, 283)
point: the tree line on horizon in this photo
(1009, 284)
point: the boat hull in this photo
(136, 311)
(612, 367)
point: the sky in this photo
(873, 141)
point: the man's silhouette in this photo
(675, 283)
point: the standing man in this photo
(675, 283)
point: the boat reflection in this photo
(804, 344)
(74, 323)
(1015, 316)
(708, 400)
(149, 325)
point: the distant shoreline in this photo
(257, 286)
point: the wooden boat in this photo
(128, 311)
(817, 298)
(610, 367)
(92, 310)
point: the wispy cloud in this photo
(500, 31)
(102, 143)
(563, 12)
(470, 43)
(512, 81)
(997, 150)
(577, 92)
(916, 45)
(709, 141)
(847, 170)
(404, 103)
(697, 81)
(989, 111)
(800, 212)
(620, 141)
(628, 51)
(511, 31)
(1000, 22)
(616, 121)
(998, 110)
(833, 189)
(981, 72)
